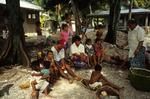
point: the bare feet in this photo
(77, 78)
(34, 95)
(70, 81)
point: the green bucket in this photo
(140, 78)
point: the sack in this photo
(25, 85)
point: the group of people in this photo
(48, 68)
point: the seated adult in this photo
(77, 52)
(63, 67)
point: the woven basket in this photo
(140, 79)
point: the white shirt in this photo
(58, 55)
(37, 78)
(77, 49)
(134, 37)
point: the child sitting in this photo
(45, 70)
(53, 69)
(37, 82)
(97, 80)
(89, 51)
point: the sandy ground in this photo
(12, 78)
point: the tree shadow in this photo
(1, 71)
(5, 89)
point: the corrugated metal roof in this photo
(123, 11)
(25, 4)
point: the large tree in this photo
(14, 49)
(114, 16)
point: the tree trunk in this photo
(114, 17)
(130, 9)
(75, 11)
(14, 52)
(90, 8)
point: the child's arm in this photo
(91, 78)
(103, 78)
(45, 76)
(37, 74)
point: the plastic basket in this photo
(140, 78)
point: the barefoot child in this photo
(39, 85)
(99, 51)
(89, 51)
(97, 79)
(53, 68)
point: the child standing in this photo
(99, 51)
(89, 51)
(64, 34)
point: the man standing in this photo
(135, 42)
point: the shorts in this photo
(95, 85)
(41, 86)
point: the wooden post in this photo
(146, 20)
(125, 22)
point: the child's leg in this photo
(88, 61)
(34, 93)
(112, 85)
(109, 90)
(94, 59)
(33, 83)
(46, 91)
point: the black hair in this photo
(67, 15)
(64, 26)
(132, 21)
(97, 39)
(40, 60)
(99, 26)
(77, 38)
(34, 64)
(98, 67)
(49, 51)
(46, 64)
(88, 40)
